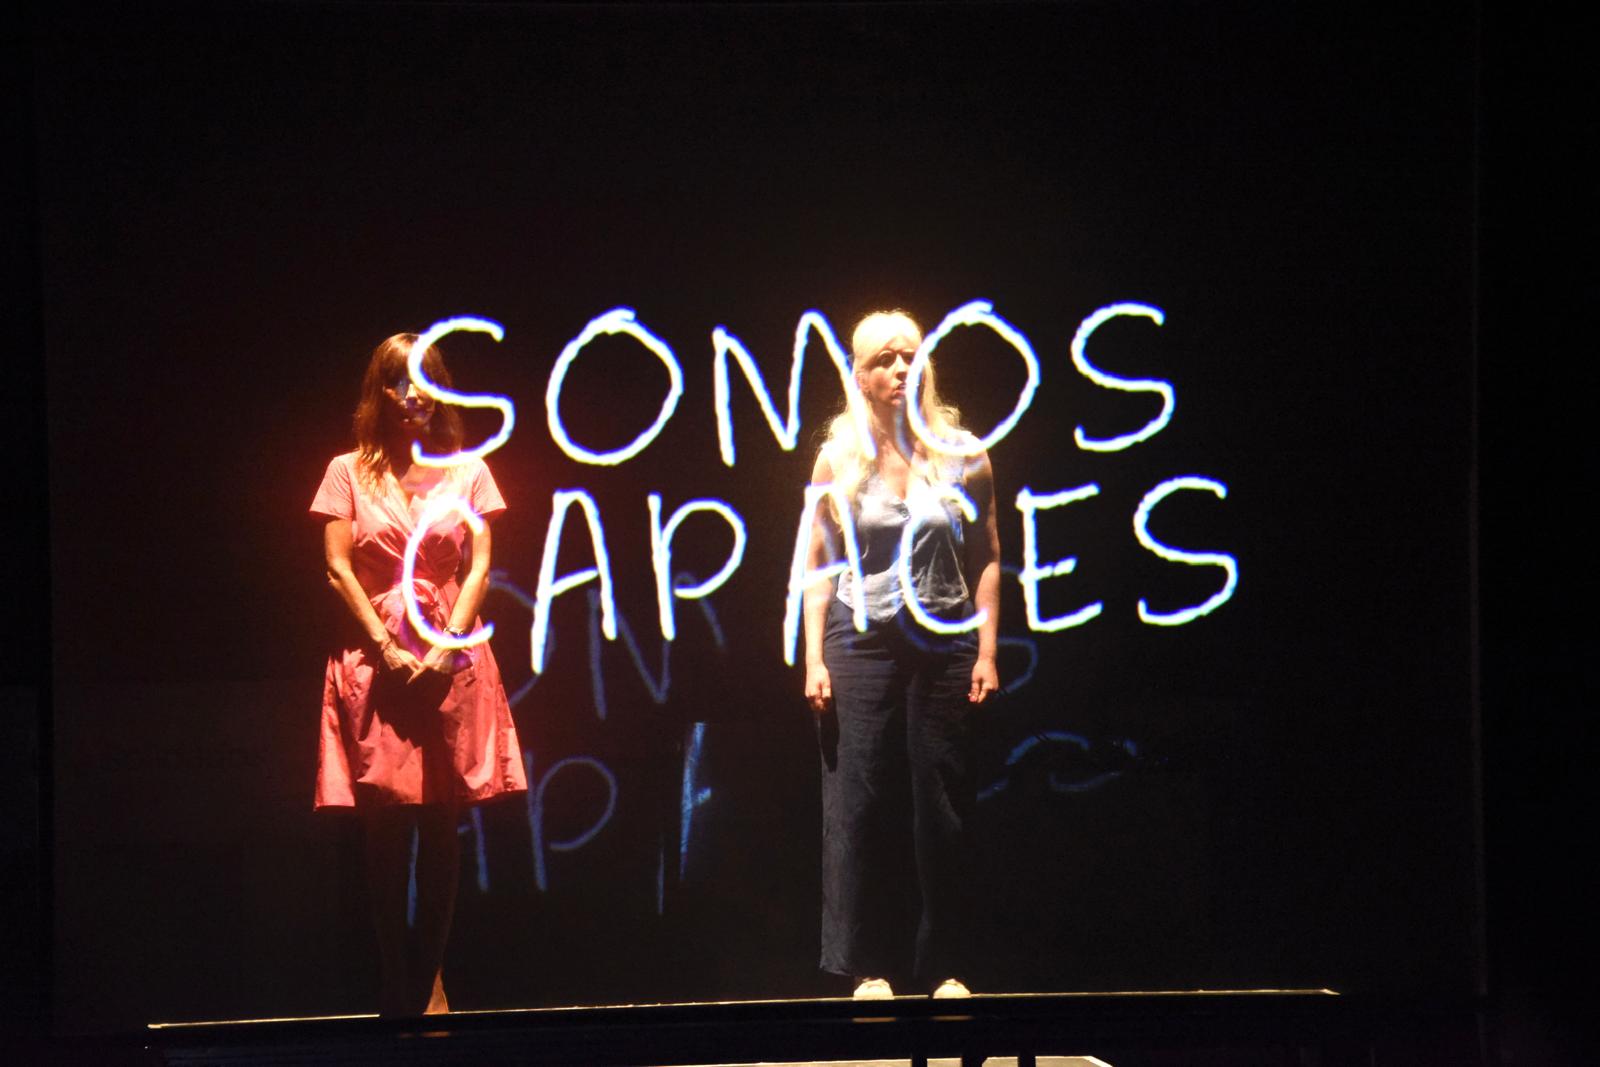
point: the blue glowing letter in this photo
(976, 313)
(800, 576)
(787, 430)
(1141, 519)
(550, 587)
(1127, 385)
(970, 511)
(508, 414)
(661, 555)
(617, 320)
(436, 510)
(536, 812)
(1032, 574)
(693, 795)
(597, 678)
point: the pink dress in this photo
(383, 741)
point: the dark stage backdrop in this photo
(239, 201)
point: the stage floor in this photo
(891, 1004)
(1058, 1029)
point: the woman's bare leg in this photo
(438, 872)
(387, 842)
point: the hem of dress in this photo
(377, 802)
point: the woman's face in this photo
(882, 374)
(411, 408)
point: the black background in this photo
(229, 207)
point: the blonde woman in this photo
(893, 702)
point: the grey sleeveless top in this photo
(880, 520)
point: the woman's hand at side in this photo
(985, 680)
(819, 688)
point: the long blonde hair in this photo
(842, 445)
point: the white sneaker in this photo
(872, 989)
(951, 987)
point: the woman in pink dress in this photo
(411, 730)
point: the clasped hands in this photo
(440, 660)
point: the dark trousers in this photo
(897, 794)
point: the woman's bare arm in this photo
(818, 595)
(337, 537)
(476, 582)
(477, 554)
(983, 576)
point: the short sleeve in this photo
(335, 497)
(961, 466)
(483, 494)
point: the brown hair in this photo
(375, 433)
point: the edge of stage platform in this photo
(799, 1031)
